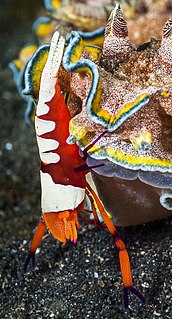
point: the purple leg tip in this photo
(125, 298)
(137, 294)
(29, 257)
(133, 291)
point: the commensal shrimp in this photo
(63, 171)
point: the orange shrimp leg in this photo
(123, 254)
(91, 221)
(41, 228)
(94, 212)
(96, 220)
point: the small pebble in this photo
(145, 284)
(8, 146)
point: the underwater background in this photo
(68, 282)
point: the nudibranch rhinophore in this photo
(124, 93)
(127, 93)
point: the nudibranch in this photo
(126, 92)
(123, 94)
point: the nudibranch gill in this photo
(127, 93)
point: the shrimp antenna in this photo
(85, 153)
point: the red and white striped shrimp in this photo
(63, 173)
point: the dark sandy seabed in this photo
(68, 282)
